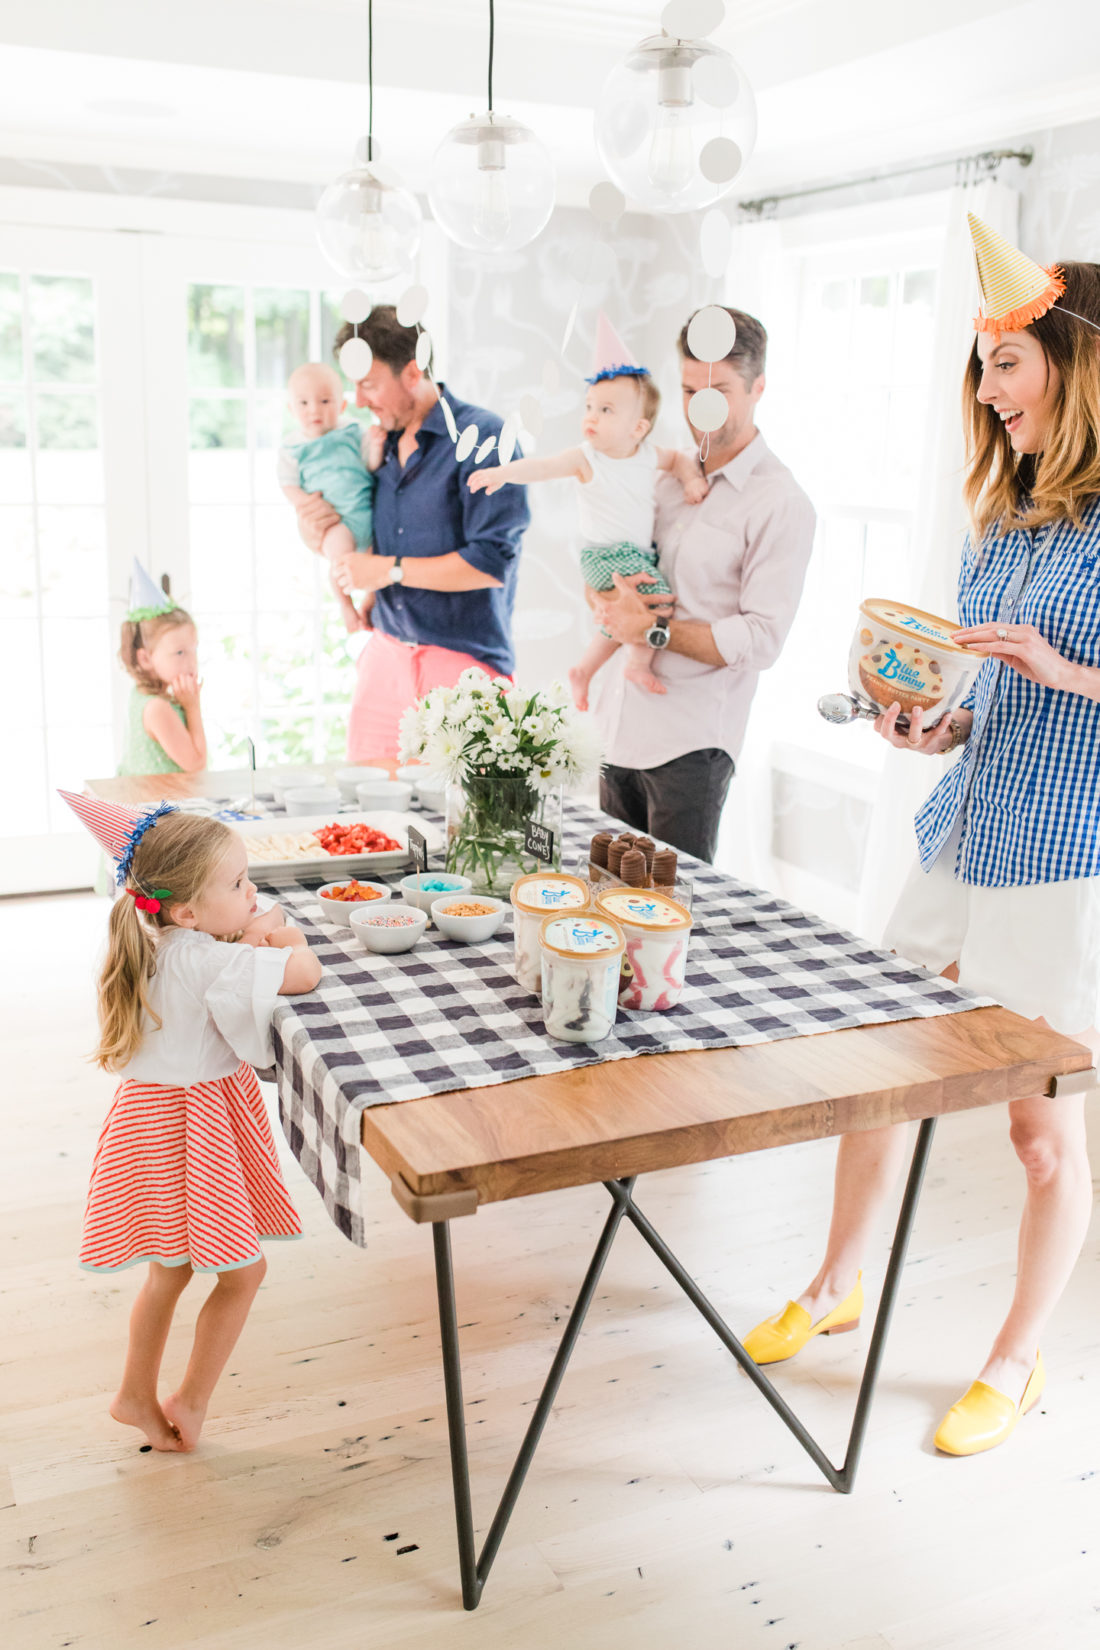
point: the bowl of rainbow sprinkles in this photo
(904, 656)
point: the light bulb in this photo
(671, 164)
(492, 218)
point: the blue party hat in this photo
(147, 600)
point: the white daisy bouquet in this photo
(512, 752)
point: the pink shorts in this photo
(391, 676)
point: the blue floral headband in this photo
(134, 836)
(618, 372)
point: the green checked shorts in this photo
(600, 561)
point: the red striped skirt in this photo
(186, 1176)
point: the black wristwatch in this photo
(658, 634)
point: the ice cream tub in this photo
(580, 960)
(657, 930)
(534, 898)
(903, 655)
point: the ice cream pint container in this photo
(534, 898)
(902, 655)
(580, 976)
(657, 930)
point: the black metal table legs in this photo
(475, 1568)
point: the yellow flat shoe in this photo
(788, 1331)
(984, 1417)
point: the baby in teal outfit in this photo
(335, 459)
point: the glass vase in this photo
(487, 818)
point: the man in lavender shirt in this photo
(736, 564)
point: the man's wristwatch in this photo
(396, 573)
(658, 634)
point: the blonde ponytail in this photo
(179, 852)
(131, 959)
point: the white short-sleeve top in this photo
(617, 505)
(215, 1003)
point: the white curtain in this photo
(938, 530)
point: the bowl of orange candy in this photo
(339, 899)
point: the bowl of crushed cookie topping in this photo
(904, 656)
(469, 917)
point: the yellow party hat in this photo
(1015, 291)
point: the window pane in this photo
(11, 328)
(63, 329)
(66, 423)
(72, 555)
(218, 423)
(215, 336)
(225, 659)
(282, 335)
(13, 419)
(331, 322)
(289, 577)
(221, 561)
(18, 578)
(919, 287)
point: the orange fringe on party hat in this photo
(1017, 319)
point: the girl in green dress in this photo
(164, 731)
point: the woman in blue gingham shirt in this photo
(1007, 890)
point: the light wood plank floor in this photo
(667, 1505)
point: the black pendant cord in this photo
(492, 31)
(370, 79)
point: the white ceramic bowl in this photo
(293, 777)
(411, 773)
(425, 898)
(431, 793)
(468, 928)
(339, 910)
(375, 937)
(310, 799)
(384, 793)
(349, 778)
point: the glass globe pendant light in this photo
(675, 122)
(368, 226)
(491, 185)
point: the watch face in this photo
(657, 636)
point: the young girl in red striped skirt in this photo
(186, 1175)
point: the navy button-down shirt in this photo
(426, 509)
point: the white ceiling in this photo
(275, 89)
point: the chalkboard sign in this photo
(418, 848)
(539, 841)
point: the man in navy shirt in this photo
(446, 560)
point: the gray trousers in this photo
(679, 803)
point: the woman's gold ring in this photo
(1002, 634)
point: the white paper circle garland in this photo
(355, 359)
(716, 81)
(423, 350)
(551, 377)
(485, 449)
(530, 415)
(411, 305)
(607, 203)
(715, 242)
(707, 410)
(506, 442)
(711, 334)
(570, 323)
(448, 417)
(355, 306)
(720, 160)
(467, 441)
(690, 19)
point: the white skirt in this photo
(1034, 949)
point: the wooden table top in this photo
(134, 790)
(453, 1151)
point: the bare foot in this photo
(645, 679)
(186, 1419)
(578, 686)
(147, 1415)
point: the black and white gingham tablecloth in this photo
(451, 1016)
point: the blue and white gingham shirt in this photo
(1028, 782)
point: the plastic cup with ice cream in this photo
(903, 655)
(657, 930)
(534, 898)
(581, 958)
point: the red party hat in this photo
(116, 828)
